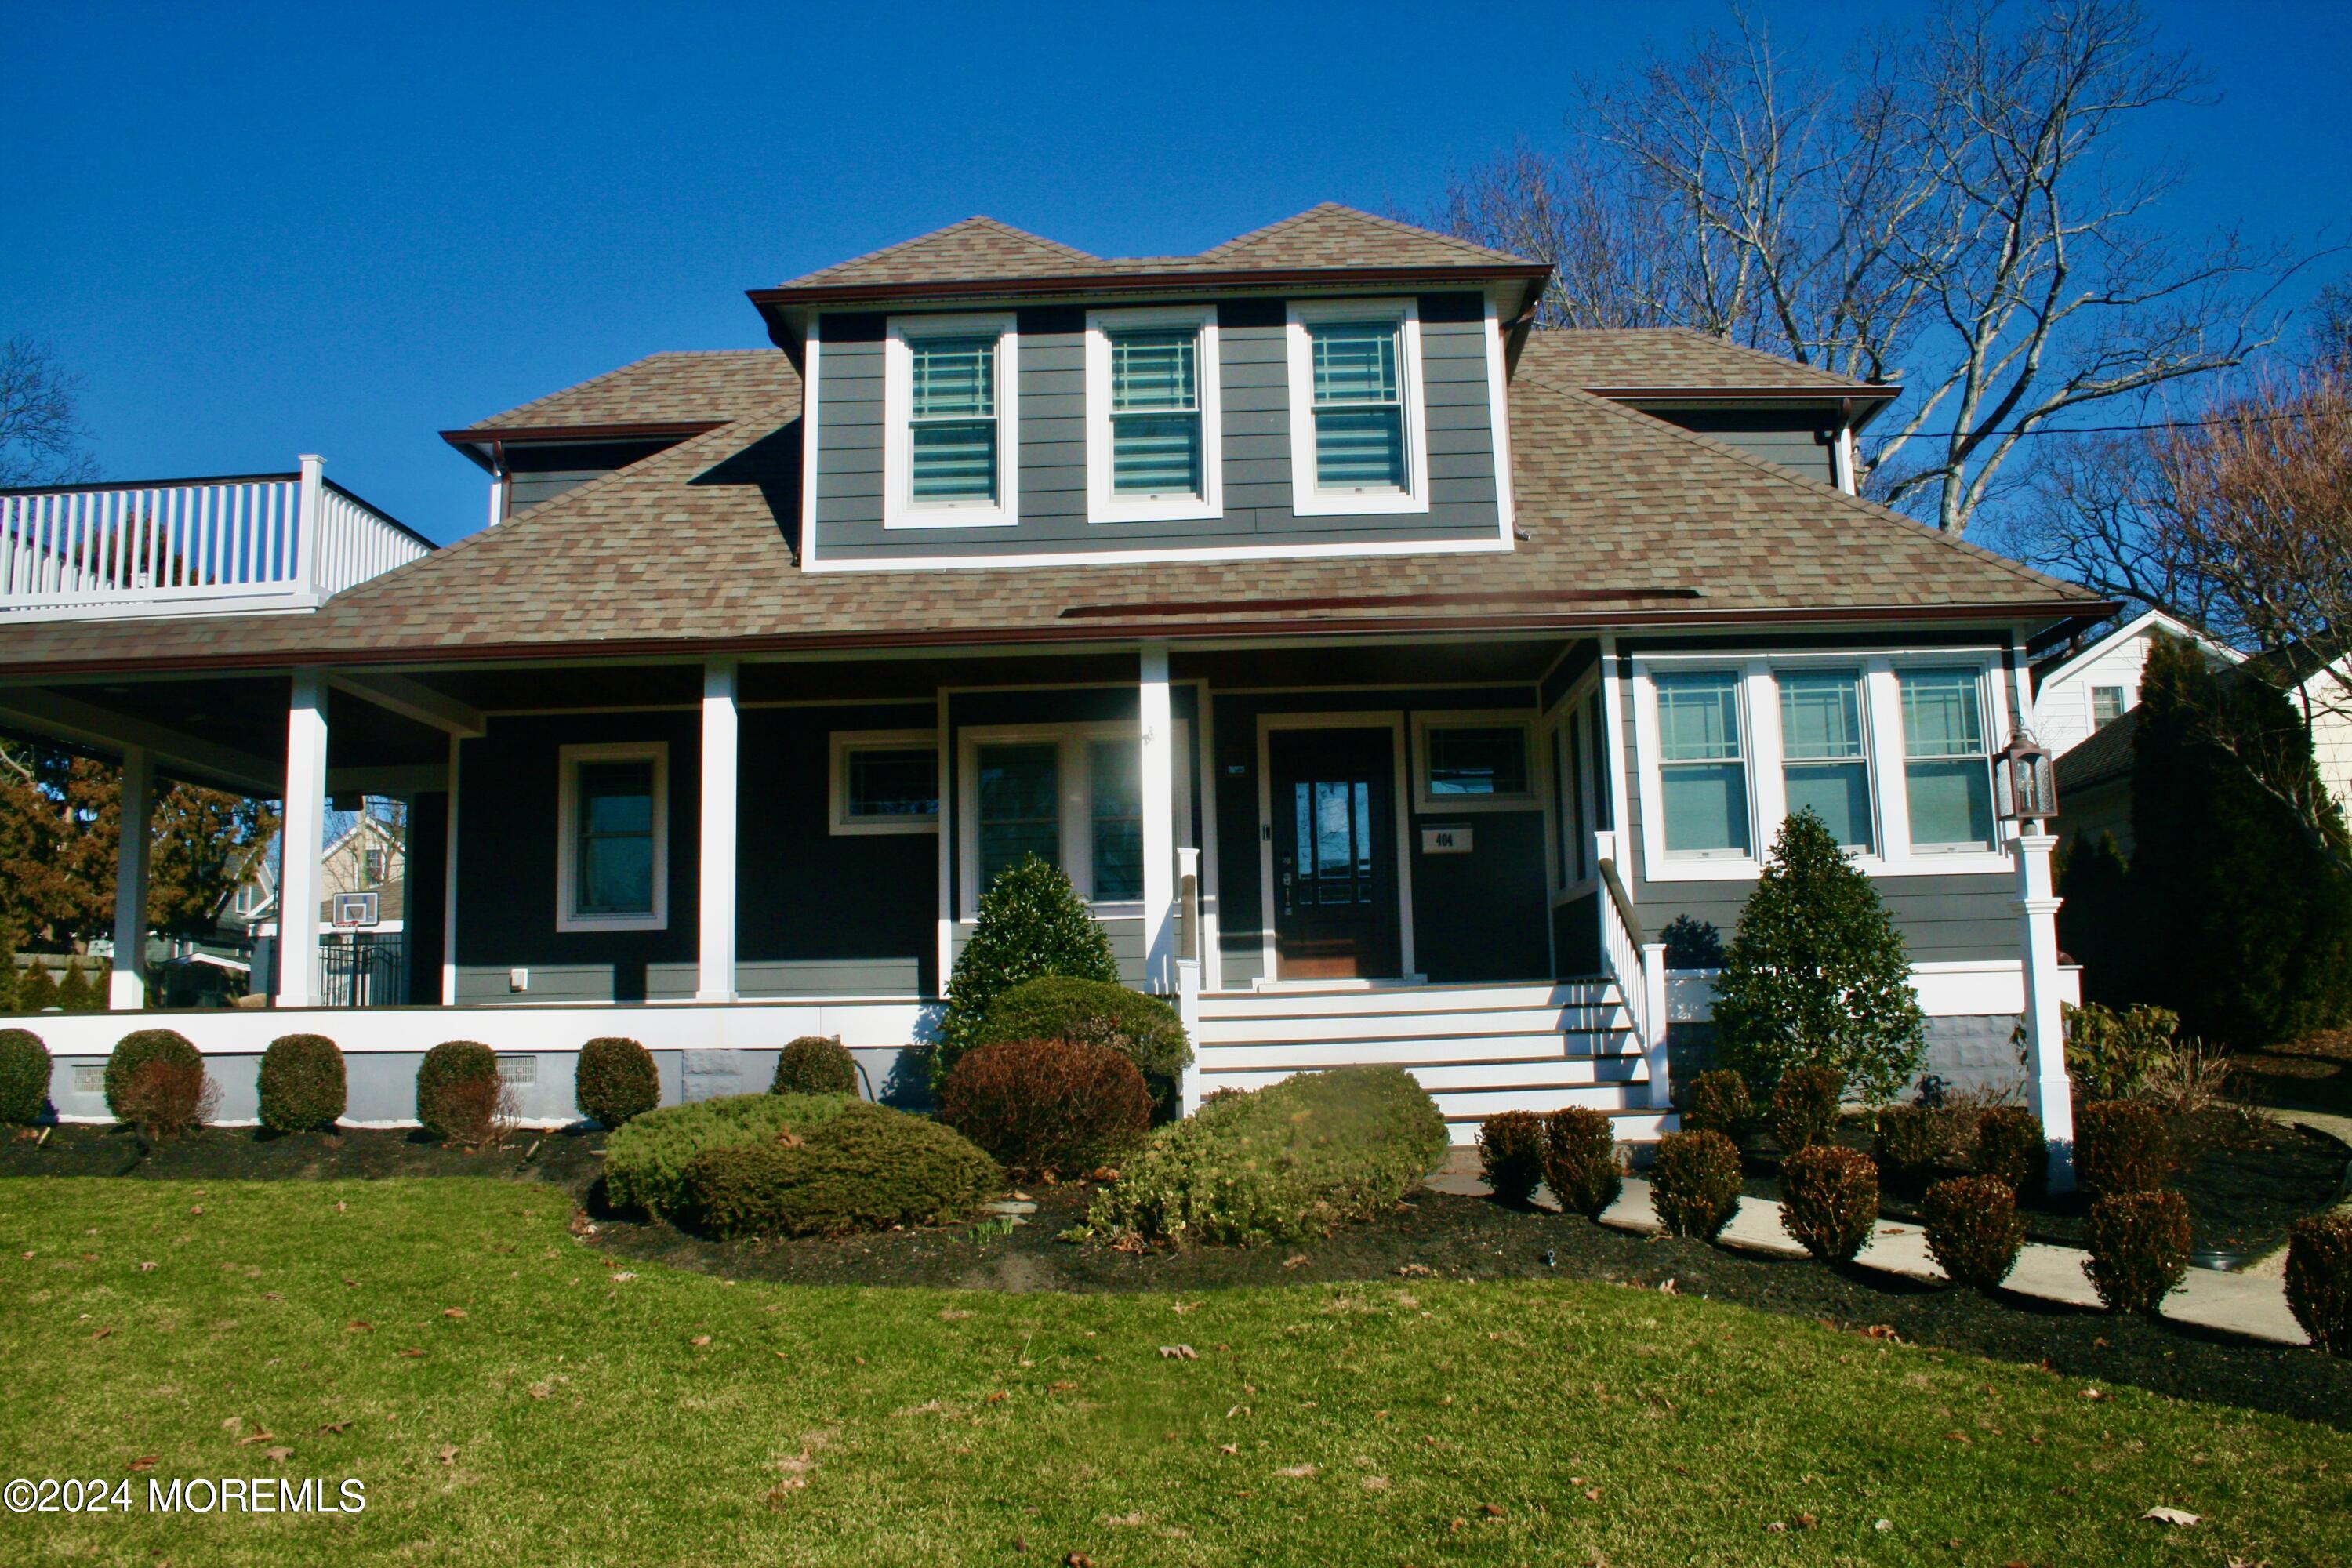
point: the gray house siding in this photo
(1255, 413)
(1804, 440)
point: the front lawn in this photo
(511, 1396)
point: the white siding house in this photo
(2090, 689)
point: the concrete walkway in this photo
(2250, 1304)
(2272, 1264)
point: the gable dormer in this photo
(1331, 384)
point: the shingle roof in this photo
(1659, 358)
(683, 550)
(663, 388)
(978, 247)
(1330, 234)
(2106, 753)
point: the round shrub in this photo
(448, 1087)
(1805, 1106)
(645, 1161)
(1047, 1105)
(24, 1077)
(2319, 1279)
(1695, 1183)
(2139, 1248)
(1973, 1229)
(1279, 1163)
(1580, 1161)
(1032, 923)
(814, 1064)
(301, 1083)
(866, 1168)
(2009, 1145)
(1717, 1101)
(134, 1051)
(1144, 1029)
(2121, 1146)
(1829, 1200)
(1511, 1154)
(615, 1079)
(1909, 1138)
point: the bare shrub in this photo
(167, 1096)
(479, 1113)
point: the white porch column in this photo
(449, 886)
(715, 981)
(127, 991)
(2048, 1093)
(1159, 791)
(302, 837)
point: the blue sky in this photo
(257, 231)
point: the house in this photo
(2080, 690)
(1386, 674)
(360, 922)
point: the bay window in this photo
(1702, 773)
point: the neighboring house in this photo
(2079, 692)
(1385, 674)
(370, 857)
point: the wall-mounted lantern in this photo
(2025, 785)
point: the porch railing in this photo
(363, 969)
(1639, 967)
(203, 546)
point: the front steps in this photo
(1538, 1045)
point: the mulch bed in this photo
(2247, 1180)
(1436, 1234)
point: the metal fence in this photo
(363, 969)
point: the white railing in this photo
(1638, 966)
(210, 546)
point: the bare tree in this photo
(2095, 512)
(1955, 201)
(42, 441)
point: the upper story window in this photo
(1947, 771)
(1821, 751)
(2106, 705)
(371, 869)
(950, 403)
(612, 827)
(1702, 768)
(1153, 446)
(1359, 437)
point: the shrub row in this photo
(1279, 1163)
(1573, 1151)
(1829, 1200)
(1695, 1182)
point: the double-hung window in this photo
(1115, 818)
(2106, 705)
(1358, 441)
(1947, 770)
(1152, 435)
(1702, 768)
(613, 832)
(1071, 795)
(949, 398)
(1822, 753)
(1020, 794)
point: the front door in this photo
(1334, 833)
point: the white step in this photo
(1401, 1026)
(1403, 998)
(1632, 1126)
(1475, 1105)
(1455, 1077)
(1298, 1056)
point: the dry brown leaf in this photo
(101, 1333)
(359, 1326)
(1179, 1352)
(1493, 1509)
(233, 1423)
(1229, 1447)
(334, 1427)
(1298, 1472)
(146, 1268)
(453, 1311)
(699, 1340)
(146, 1461)
(279, 1455)
(998, 1397)
(412, 1350)
(448, 1453)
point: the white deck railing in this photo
(213, 546)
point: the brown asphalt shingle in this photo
(660, 389)
(1662, 357)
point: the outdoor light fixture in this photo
(2024, 784)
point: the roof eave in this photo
(480, 442)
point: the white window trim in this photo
(844, 741)
(567, 821)
(1070, 739)
(1425, 804)
(1306, 499)
(1761, 754)
(1103, 503)
(898, 507)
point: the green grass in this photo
(571, 1417)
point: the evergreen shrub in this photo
(2009, 1144)
(2110, 1054)
(449, 1104)
(1805, 1106)
(37, 989)
(1039, 1106)
(1580, 1161)
(2139, 1248)
(1694, 1183)
(302, 1083)
(134, 1051)
(1910, 1139)
(814, 1064)
(1973, 1230)
(1718, 1102)
(2319, 1279)
(866, 1168)
(1511, 1154)
(75, 994)
(2121, 1146)
(615, 1079)
(646, 1159)
(24, 1077)
(1032, 923)
(1829, 1200)
(1144, 1029)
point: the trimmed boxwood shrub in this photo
(1973, 1229)
(645, 1161)
(134, 1051)
(1695, 1183)
(814, 1064)
(1580, 1161)
(1717, 1101)
(2121, 1146)
(1805, 1106)
(24, 1077)
(2139, 1248)
(1909, 1138)
(1064, 1106)
(1511, 1154)
(1829, 1200)
(2319, 1279)
(1144, 1029)
(302, 1083)
(1279, 1163)
(2009, 1145)
(1032, 923)
(615, 1079)
(866, 1168)
(446, 1106)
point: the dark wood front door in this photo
(1334, 832)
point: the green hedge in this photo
(615, 1080)
(134, 1051)
(644, 1162)
(866, 1168)
(1144, 1029)
(302, 1083)
(814, 1064)
(24, 1075)
(1279, 1163)
(443, 1105)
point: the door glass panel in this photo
(1335, 831)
